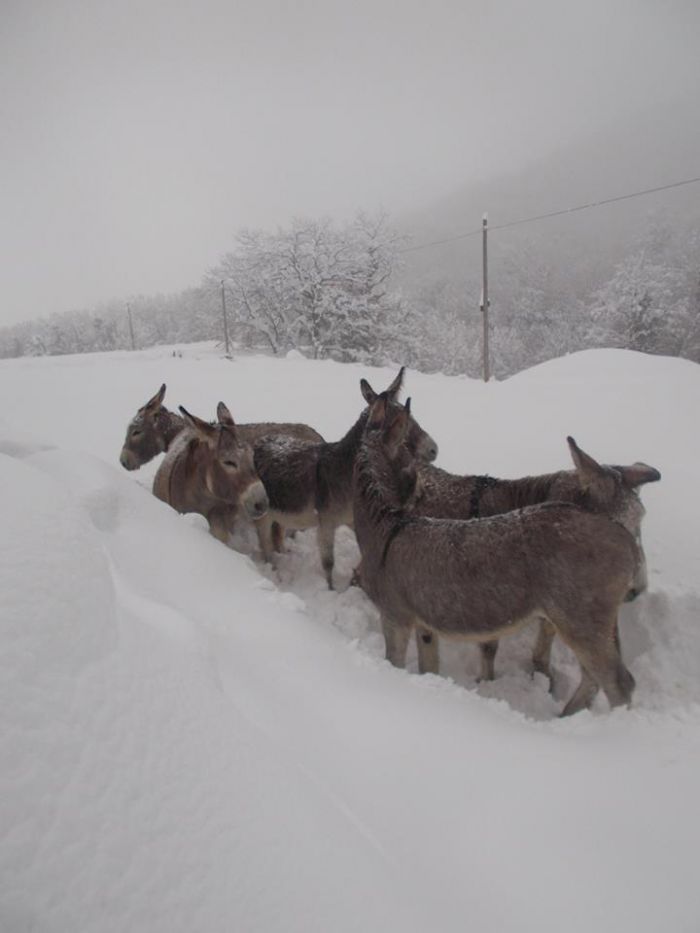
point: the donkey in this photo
(481, 578)
(210, 470)
(154, 428)
(150, 432)
(310, 485)
(608, 490)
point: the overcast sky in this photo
(138, 137)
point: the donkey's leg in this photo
(617, 682)
(356, 578)
(602, 666)
(488, 651)
(428, 647)
(583, 696)
(218, 526)
(396, 638)
(326, 542)
(277, 537)
(542, 652)
(263, 526)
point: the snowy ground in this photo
(192, 742)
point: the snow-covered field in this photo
(192, 742)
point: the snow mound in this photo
(57, 604)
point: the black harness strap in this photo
(399, 525)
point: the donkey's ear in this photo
(587, 468)
(204, 430)
(395, 386)
(638, 474)
(368, 393)
(153, 404)
(377, 413)
(224, 415)
(407, 406)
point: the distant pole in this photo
(131, 326)
(225, 319)
(485, 297)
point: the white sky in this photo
(137, 137)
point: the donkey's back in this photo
(257, 431)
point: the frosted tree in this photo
(644, 305)
(315, 285)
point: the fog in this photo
(137, 138)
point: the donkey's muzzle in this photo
(255, 501)
(127, 460)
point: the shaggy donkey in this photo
(310, 485)
(210, 470)
(482, 578)
(154, 428)
(607, 490)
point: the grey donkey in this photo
(154, 428)
(310, 485)
(210, 470)
(606, 490)
(482, 578)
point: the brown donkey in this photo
(482, 578)
(606, 490)
(154, 428)
(210, 470)
(310, 485)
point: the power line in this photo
(566, 210)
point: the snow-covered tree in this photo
(315, 285)
(644, 305)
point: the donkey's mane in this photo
(164, 412)
(373, 488)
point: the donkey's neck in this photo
(348, 445)
(531, 490)
(169, 426)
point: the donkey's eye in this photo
(231, 463)
(136, 433)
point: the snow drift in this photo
(191, 741)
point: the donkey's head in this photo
(613, 491)
(419, 443)
(144, 436)
(226, 463)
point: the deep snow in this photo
(190, 741)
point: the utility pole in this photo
(485, 296)
(131, 326)
(225, 319)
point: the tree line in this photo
(334, 290)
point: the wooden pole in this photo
(225, 319)
(485, 297)
(131, 326)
